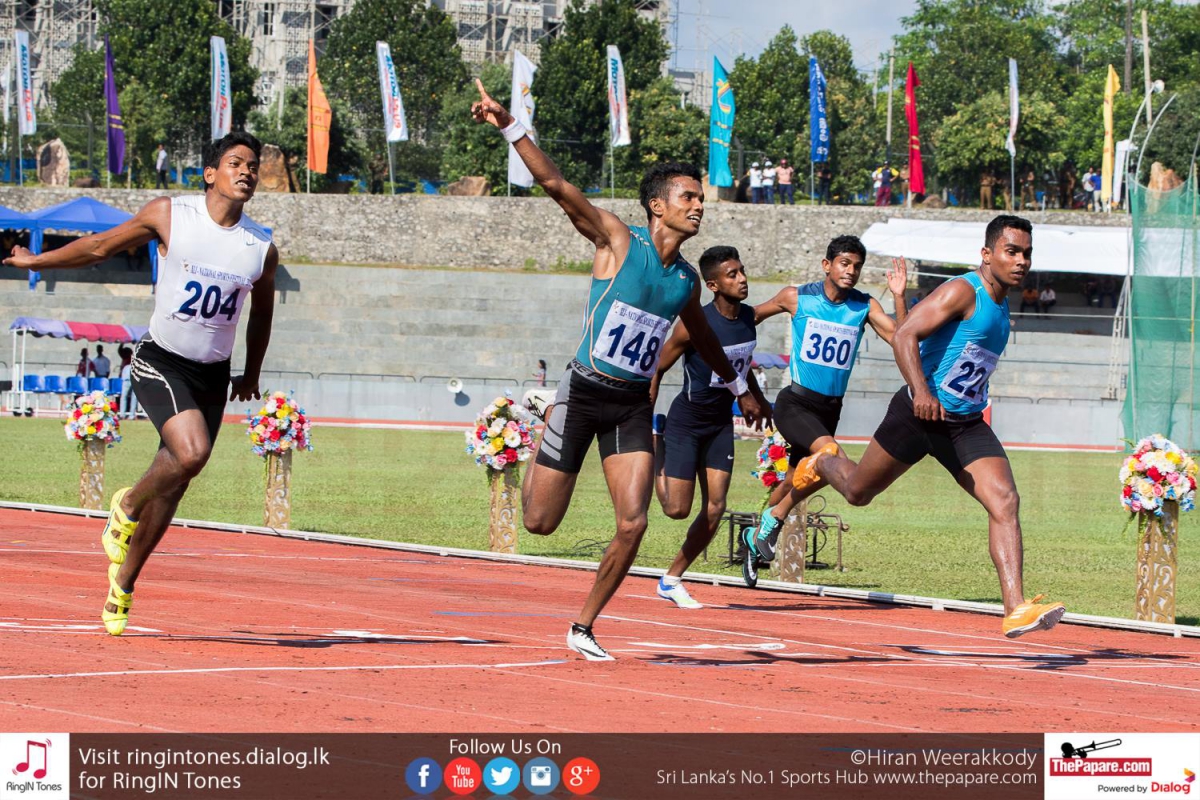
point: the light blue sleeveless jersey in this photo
(960, 357)
(629, 316)
(825, 337)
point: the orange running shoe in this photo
(806, 471)
(1032, 616)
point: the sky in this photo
(728, 28)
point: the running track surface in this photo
(238, 632)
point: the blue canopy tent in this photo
(11, 219)
(83, 215)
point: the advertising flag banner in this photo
(116, 127)
(916, 169)
(1112, 85)
(320, 117)
(521, 107)
(26, 114)
(222, 97)
(818, 123)
(618, 101)
(1014, 113)
(720, 127)
(394, 124)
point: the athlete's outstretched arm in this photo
(783, 302)
(953, 300)
(676, 346)
(709, 348)
(880, 321)
(600, 227)
(153, 221)
(258, 330)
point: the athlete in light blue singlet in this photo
(828, 321)
(947, 351)
(639, 285)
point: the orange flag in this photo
(320, 115)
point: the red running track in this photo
(239, 632)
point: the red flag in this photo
(916, 171)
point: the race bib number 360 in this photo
(829, 344)
(210, 295)
(631, 339)
(968, 377)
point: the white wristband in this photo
(738, 386)
(514, 131)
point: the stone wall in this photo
(516, 233)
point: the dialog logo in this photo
(35, 765)
(540, 776)
(581, 776)
(423, 776)
(501, 776)
(463, 776)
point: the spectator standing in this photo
(760, 375)
(1091, 291)
(1097, 183)
(540, 373)
(787, 192)
(1029, 191)
(756, 183)
(1005, 192)
(1088, 188)
(101, 367)
(84, 368)
(986, 182)
(127, 407)
(768, 184)
(1066, 186)
(1047, 298)
(1029, 299)
(160, 166)
(824, 182)
(884, 175)
(1109, 288)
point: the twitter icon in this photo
(501, 775)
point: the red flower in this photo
(1153, 474)
(274, 435)
(776, 452)
(770, 479)
(1128, 491)
(100, 425)
(78, 413)
(510, 455)
(1192, 482)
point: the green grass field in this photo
(923, 536)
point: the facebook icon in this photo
(423, 776)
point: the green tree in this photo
(572, 88)
(162, 76)
(857, 140)
(346, 153)
(429, 65)
(471, 148)
(772, 101)
(661, 131)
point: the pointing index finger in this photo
(483, 95)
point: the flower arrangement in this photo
(502, 436)
(772, 463)
(1158, 471)
(92, 417)
(279, 426)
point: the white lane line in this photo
(93, 717)
(222, 670)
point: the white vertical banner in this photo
(1014, 112)
(222, 98)
(1124, 148)
(522, 108)
(618, 101)
(394, 124)
(26, 115)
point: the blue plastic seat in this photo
(98, 385)
(32, 383)
(76, 385)
(115, 385)
(52, 384)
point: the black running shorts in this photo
(166, 384)
(803, 416)
(954, 442)
(587, 408)
(697, 438)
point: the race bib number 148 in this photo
(631, 339)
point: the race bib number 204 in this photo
(210, 295)
(631, 339)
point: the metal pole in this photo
(20, 171)
(1128, 47)
(811, 187)
(891, 81)
(1146, 63)
(612, 171)
(1012, 181)
(391, 167)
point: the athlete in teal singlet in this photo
(640, 284)
(947, 350)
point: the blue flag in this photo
(817, 123)
(720, 128)
(116, 128)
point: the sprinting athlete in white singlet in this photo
(212, 258)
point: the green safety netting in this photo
(1160, 395)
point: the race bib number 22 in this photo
(631, 339)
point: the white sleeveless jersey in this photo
(204, 281)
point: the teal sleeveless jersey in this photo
(960, 357)
(825, 337)
(628, 317)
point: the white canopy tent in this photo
(1093, 250)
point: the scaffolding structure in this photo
(54, 27)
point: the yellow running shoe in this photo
(1032, 616)
(806, 471)
(118, 531)
(115, 621)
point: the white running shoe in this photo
(678, 595)
(581, 640)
